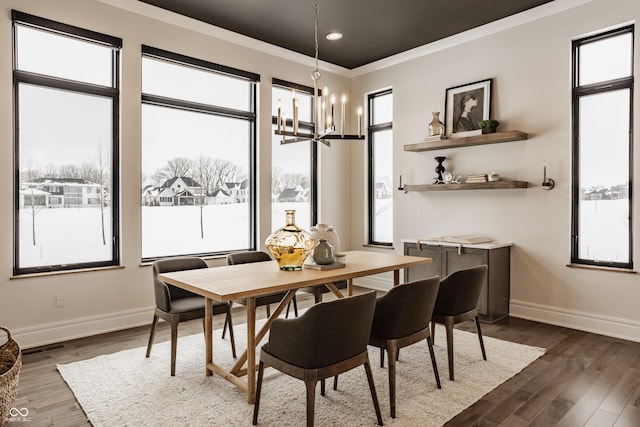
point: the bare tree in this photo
(204, 174)
(101, 177)
(225, 171)
(69, 171)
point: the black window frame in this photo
(577, 93)
(309, 127)
(250, 116)
(113, 92)
(371, 185)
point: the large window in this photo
(66, 190)
(198, 156)
(293, 171)
(602, 149)
(380, 151)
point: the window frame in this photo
(371, 130)
(308, 126)
(51, 82)
(577, 93)
(250, 116)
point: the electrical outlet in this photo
(59, 301)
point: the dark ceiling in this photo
(373, 29)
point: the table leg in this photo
(251, 349)
(208, 335)
(396, 277)
(350, 287)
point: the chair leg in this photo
(484, 355)
(226, 322)
(382, 357)
(152, 334)
(311, 400)
(448, 326)
(229, 322)
(433, 362)
(335, 382)
(322, 387)
(174, 343)
(256, 405)
(268, 308)
(392, 349)
(374, 395)
(295, 306)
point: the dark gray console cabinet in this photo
(494, 298)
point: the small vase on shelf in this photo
(436, 127)
(290, 245)
(439, 169)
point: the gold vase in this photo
(290, 245)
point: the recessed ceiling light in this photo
(334, 36)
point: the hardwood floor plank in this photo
(583, 410)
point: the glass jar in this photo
(436, 127)
(290, 245)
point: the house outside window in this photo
(380, 170)
(198, 156)
(602, 149)
(66, 102)
(293, 171)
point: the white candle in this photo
(295, 115)
(344, 102)
(284, 125)
(333, 105)
(325, 102)
(328, 122)
(359, 121)
(279, 116)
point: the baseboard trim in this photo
(603, 325)
(36, 336)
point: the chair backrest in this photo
(245, 257)
(460, 291)
(164, 292)
(405, 309)
(326, 333)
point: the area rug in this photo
(127, 389)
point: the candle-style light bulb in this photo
(359, 121)
(342, 120)
(333, 105)
(279, 116)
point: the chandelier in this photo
(324, 115)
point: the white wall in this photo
(110, 299)
(531, 68)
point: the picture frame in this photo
(465, 106)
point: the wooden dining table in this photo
(233, 282)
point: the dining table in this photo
(248, 281)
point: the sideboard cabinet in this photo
(447, 258)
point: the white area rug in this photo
(127, 389)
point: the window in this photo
(293, 170)
(380, 168)
(198, 156)
(602, 149)
(66, 191)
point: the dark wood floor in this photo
(583, 379)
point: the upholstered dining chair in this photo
(245, 257)
(457, 302)
(176, 305)
(328, 339)
(402, 318)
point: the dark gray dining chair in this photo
(174, 304)
(402, 318)
(245, 257)
(328, 339)
(457, 302)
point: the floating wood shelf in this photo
(495, 185)
(488, 138)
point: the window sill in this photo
(56, 273)
(369, 245)
(598, 267)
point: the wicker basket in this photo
(10, 363)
